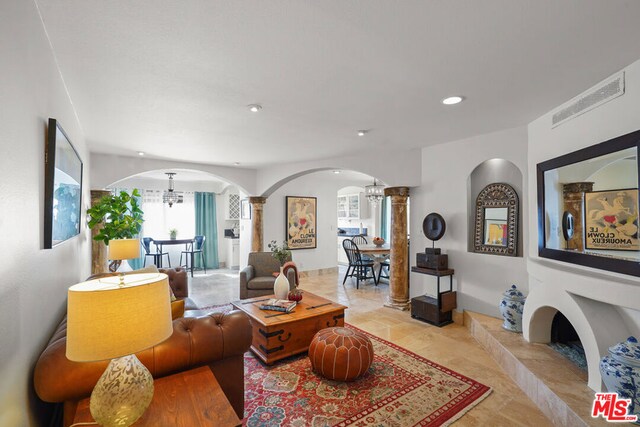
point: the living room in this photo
(358, 67)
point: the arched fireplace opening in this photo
(565, 340)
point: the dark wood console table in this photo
(436, 311)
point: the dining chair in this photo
(386, 265)
(194, 248)
(157, 255)
(360, 239)
(358, 266)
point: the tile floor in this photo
(451, 346)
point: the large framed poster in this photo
(611, 220)
(301, 222)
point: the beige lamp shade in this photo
(105, 321)
(124, 249)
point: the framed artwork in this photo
(245, 209)
(301, 222)
(62, 187)
(611, 220)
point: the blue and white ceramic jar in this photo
(620, 372)
(511, 308)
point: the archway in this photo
(223, 205)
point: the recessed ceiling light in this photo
(361, 132)
(254, 108)
(140, 153)
(453, 100)
(336, 172)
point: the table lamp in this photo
(107, 320)
(122, 249)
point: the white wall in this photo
(34, 281)
(615, 118)
(479, 279)
(324, 186)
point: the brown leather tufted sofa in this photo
(217, 340)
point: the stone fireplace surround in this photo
(593, 301)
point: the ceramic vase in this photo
(511, 308)
(620, 371)
(281, 286)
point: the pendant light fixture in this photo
(374, 193)
(170, 196)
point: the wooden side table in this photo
(436, 311)
(190, 398)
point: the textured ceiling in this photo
(173, 78)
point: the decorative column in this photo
(99, 255)
(573, 196)
(399, 270)
(257, 204)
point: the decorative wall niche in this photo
(496, 224)
(489, 172)
(598, 187)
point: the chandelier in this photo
(170, 196)
(374, 193)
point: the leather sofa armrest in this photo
(195, 342)
(178, 280)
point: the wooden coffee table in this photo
(286, 334)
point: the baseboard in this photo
(318, 272)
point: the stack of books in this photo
(279, 305)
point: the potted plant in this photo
(173, 233)
(117, 216)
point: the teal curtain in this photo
(206, 225)
(385, 220)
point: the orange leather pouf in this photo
(340, 354)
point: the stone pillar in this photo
(573, 196)
(257, 204)
(99, 253)
(399, 270)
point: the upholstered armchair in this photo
(257, 278)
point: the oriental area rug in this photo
(400, 389)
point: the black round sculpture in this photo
(434, 226)
(568, 226)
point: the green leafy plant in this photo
(281, 253)
(120, 216)
(173, 233)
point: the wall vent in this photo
(586, 101)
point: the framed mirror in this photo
(496, 223)
(588, 206)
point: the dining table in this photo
(377, 251)
(162, 242)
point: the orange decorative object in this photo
(340, 354)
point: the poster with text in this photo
(301, 222)
(611, 220)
